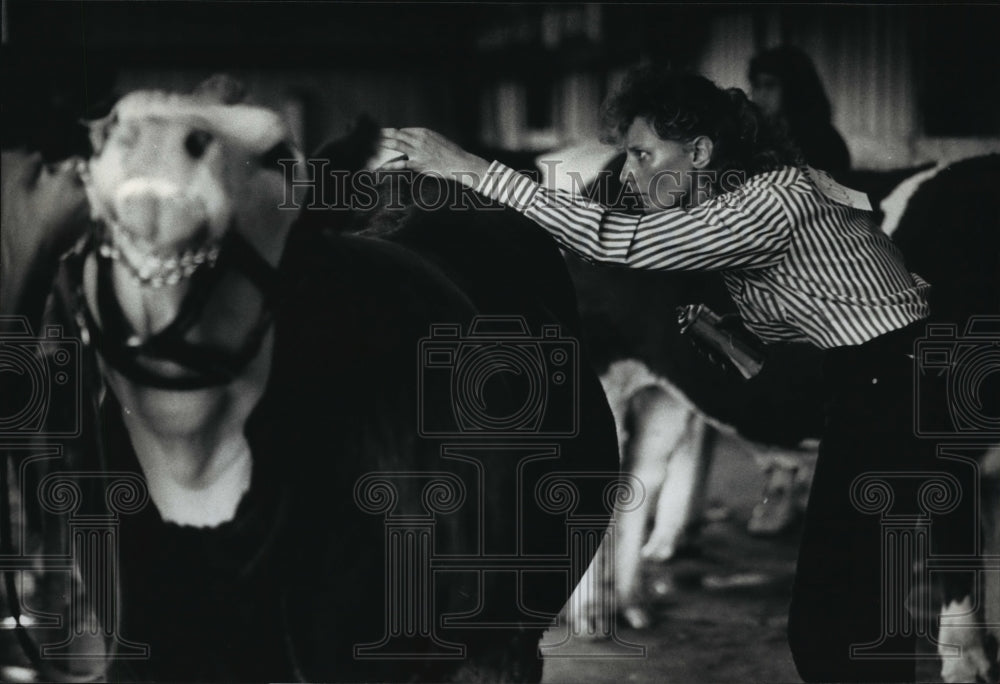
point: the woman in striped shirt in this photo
(802, 260)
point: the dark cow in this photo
(949, 230)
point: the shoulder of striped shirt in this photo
(787, 177)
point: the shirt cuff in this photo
(507, 186)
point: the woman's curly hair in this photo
(682, 106)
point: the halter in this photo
(207, 365)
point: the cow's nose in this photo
(196, 142)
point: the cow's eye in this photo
(271, 158)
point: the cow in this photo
(946, 220)
(329, 456)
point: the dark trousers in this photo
(870, 472)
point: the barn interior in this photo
(906, 83)
(911, 88)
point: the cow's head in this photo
(186, 193)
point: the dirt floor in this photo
(721, 612)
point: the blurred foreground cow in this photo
(315, 456)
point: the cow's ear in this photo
(98, 131)
(366, 136)
(366, 129)
(282, 151)
(351, 152)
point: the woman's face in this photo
(658, 170)
(767, 94)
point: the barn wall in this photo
(322, 104)
(908, 83)
(323, 63)
(877, 64)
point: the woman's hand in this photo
(431, 153)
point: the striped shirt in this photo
(799, 265)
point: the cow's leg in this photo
(588, 608)
(659, 423)
(682, 496)
(990, 503)
(961, 624)
(789, 474)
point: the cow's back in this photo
(373, 429)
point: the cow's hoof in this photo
(663, 586)
(684, 545)
(637, 617)
(658, 551)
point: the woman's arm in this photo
(739, 230)
(744, 229)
